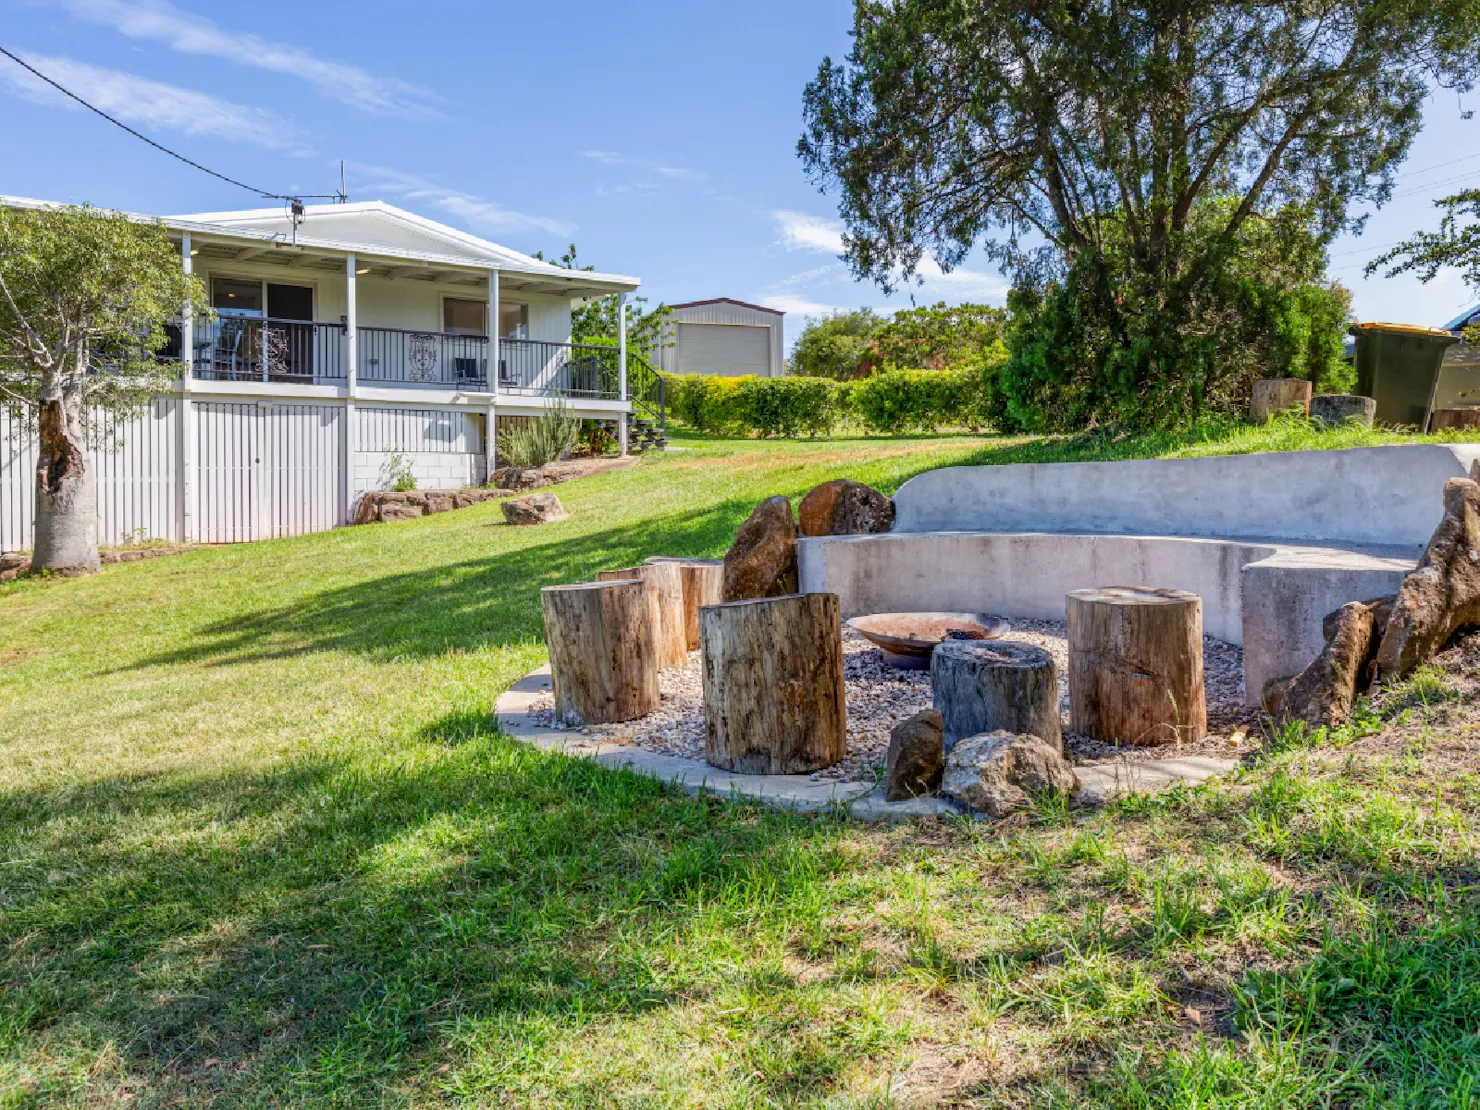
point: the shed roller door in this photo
(723, 349)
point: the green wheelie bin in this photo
(1398, 367)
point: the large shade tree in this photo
(1121, 147)
(85, 296)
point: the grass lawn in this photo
(261, 845)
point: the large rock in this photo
(1323, 693)
(999, 772)
(1443, 594)
(844, 508)
(916, 755)
(762, 562)
(537, 508)
(521, 478)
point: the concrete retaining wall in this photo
(1364, 496)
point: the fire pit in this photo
(907, 639)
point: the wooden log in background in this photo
(773, 684)
(1272, 396)
(703, 584)
(1136, 665)
(665, 597)
(1454, 418)
(996, 685)
(603, 657)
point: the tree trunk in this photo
(66, 492)
(603, 657)
(996, 685)
(1136, 665)
(773, 684)
(1273, 396)
(703, 584)
(665, 600)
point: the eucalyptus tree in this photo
(1455, 245)
(84, 299)
(1122, 148)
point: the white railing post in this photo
(351, 379)
(185, 461)
(490, 429)
(622, 371)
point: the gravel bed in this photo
(880, 696)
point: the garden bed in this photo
(880, 696)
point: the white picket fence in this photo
(262, 469)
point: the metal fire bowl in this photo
(907, 639)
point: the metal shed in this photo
(724, 336)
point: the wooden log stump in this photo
(603, 655)
(996, 686)
(1272, 396)
(1454, 418)
(1136, 665)
(703, 584)
(665, 601)
(773, 684)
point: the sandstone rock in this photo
(399, 510)
(999, 772)
(1443, 594)
(521, 478)
(538, 508)
(440, 501)
(1323, 693)
(916, 754)
(844, 508)
(367, 509)
(762, 562)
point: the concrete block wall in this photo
(433, 469)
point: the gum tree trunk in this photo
(66, 491)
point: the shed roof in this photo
(729, 300)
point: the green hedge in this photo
(891, 402)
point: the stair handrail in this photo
(647, 391)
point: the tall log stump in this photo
(1136, 665)
(665, 602)
(1272, 396)
(773, 684)
(603, 655)
(703, 584)
(996, 686)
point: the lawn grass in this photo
(262, 845)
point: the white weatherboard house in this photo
(357, 333)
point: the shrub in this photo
(898, 401)
(542, 441)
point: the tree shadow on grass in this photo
(465, 606)
(310, 935)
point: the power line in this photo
(158, 146)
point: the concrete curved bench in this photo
(1268, 596)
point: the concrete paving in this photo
(860, 800)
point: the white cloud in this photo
(799, 306)
(673, 173)
(144, 103)
(485, 215)
(803, 232)
(188, 33)
(960, 284)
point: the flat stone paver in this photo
(1097, 784)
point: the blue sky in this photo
(659, 137)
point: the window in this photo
(461, 317)
(513, 321)
(235, 297)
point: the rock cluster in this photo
(537, 508)
(389, 505)
(518, 479)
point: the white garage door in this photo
(723, 349)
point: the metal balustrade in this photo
(253, 349)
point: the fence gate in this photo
(266, 470)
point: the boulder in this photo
(1443, 594)
(762, 562)
(367, 509)
(1323, 693)
(537, 508)
(844, 508)
(997, 773)
(440, 501)
(916, 755)
(400, 510)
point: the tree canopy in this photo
(1456, 245)
(834, 345)
(1095, 142)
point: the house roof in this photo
(730, 300)
(374, 230)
